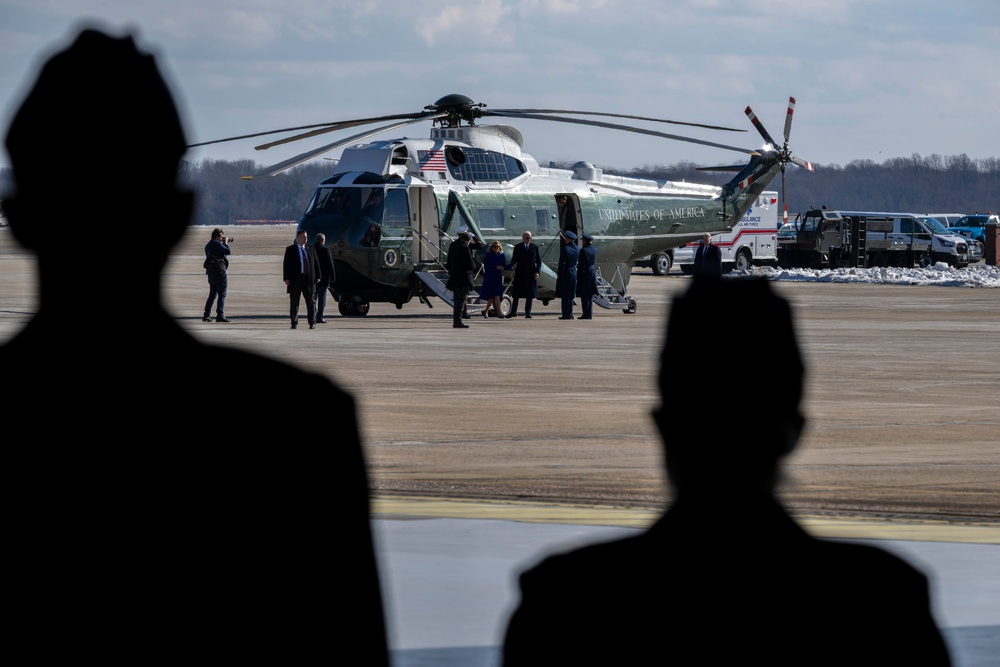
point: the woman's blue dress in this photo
(492, 279)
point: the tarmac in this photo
(492, 446)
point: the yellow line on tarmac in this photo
(416, 507)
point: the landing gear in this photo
(352, 309)
(631, 306)
(505, 305)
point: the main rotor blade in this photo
(316, 152)
(336, 125)
(760, 126)
(727, 167)
(788, 118)
(618, 115)
(343, 125)
(615, 126)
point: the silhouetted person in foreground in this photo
(725, 577)
(164, 502)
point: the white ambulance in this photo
(752, 242)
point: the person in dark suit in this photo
(460, 266)
(569, 256)
(147, 516)
(216, 268)
(726, 576)
(526, 263)
(301, 273)
(586, 277)
(708, 258)
(328, 275)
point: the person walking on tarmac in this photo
(526, 263)
(586, 277)
(460, 269)
(569, 256)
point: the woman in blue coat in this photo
(492, 289)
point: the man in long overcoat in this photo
(526, 262)
(569, 256)
(586, 277)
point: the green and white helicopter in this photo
(391, 208)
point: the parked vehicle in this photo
(832, 239)
(752, 242)
(946, 247)
(661, 262)
(974, 226)
(946, 219)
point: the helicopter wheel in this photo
(631, 308)
(505, 305)
(346, 308)
(545, 302)
(361, 309)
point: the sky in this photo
(873, 79)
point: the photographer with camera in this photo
(216, 265)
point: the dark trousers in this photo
(296, 290)
(567, 307)
(321, 291)
(461, 294)
(527, 305)
(216, 288)
(587, 303)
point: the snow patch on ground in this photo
(941, 275)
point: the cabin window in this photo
(491, 218)
(542, 222)
(397, 209)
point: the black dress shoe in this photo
(321, 321)
(460, 326)
(566, 318)
(206, 319)
(527, 317)
(295, 325)
(222, 319)
(312, 325)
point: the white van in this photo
(906, 227)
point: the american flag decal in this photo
(431, 160)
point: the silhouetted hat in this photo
(588, 237)
(105, 102)
(570, 235)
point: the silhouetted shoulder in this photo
(653, 598)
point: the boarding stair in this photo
(608, 296)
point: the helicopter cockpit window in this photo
(476, 164)
(397, 209)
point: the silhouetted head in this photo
(719, 333)
(98, 138)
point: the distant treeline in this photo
(933, 184)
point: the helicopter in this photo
(392, 208)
